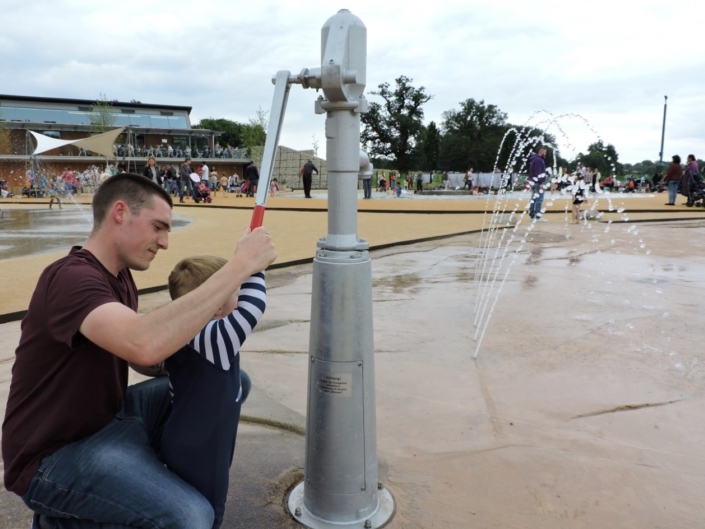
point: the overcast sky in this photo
(611, 62)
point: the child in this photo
(578, 191)
(207, 385)
(224, 184)
(274, 187)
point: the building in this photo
(162, 130)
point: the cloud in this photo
(610, 62)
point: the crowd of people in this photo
(167, 150)
(202, 183)
(395, 183)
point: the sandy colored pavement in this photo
(585, 408)
(296, 229)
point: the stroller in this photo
(692, 187)
(201, 192)
(245, 188)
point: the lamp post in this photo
(663, 131)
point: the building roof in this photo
(89, 102)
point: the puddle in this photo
(33, 231)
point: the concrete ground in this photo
(583, 409)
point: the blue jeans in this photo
(367, 187)
(188, 184)
(536, 201)
(115, 477)
(672, 191)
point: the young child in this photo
(578, 190)
(274, 187)
(207, 385)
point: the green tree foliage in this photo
(394, 128)
(471, 136)
(235, 134)
(101, 115)
(232, 130)
(601, 157)
(431, 147)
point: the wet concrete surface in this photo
(25, 232)
(585, 406)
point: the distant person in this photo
(121, 168)
(185, 179)
(537, 179)
(419, 182)
(673, 178)
(252, 177)
(151, 171)
(578, 190)
(367, 186)
(691, 167)
(608, 183)
(224, 184)
(307, 172)
(468, 179)
(204, 171)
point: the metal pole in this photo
(340, 487)
(663, 131)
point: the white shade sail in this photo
(99, 144)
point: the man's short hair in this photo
(190, 273)
(133, 189)
(188, 159)
(541, 148)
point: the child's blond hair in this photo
(190, 273)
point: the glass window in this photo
(121, 120)
(29, 114)
(8, 113)
(52, 134)
(73, 117)
(178, 122)
(140, 120)
(56, 116)
(180, 141)
(160, 122)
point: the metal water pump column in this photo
(340, 487)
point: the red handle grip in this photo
(257, 216)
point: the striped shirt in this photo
(220, 340)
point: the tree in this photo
(601, 157)
(471, 136)
(101, 115)
(232, 130)
(431, 146)
(393, 129)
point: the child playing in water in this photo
(207, 385)
(578, 190)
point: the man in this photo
(252, 177)
(185, 179)
(78, 445)
(205, 173)
(537, 179)
(307, 174)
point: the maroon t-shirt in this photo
(64, 387)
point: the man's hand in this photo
(255, 250)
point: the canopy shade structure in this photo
(99, 144)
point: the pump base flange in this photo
(380, 518)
